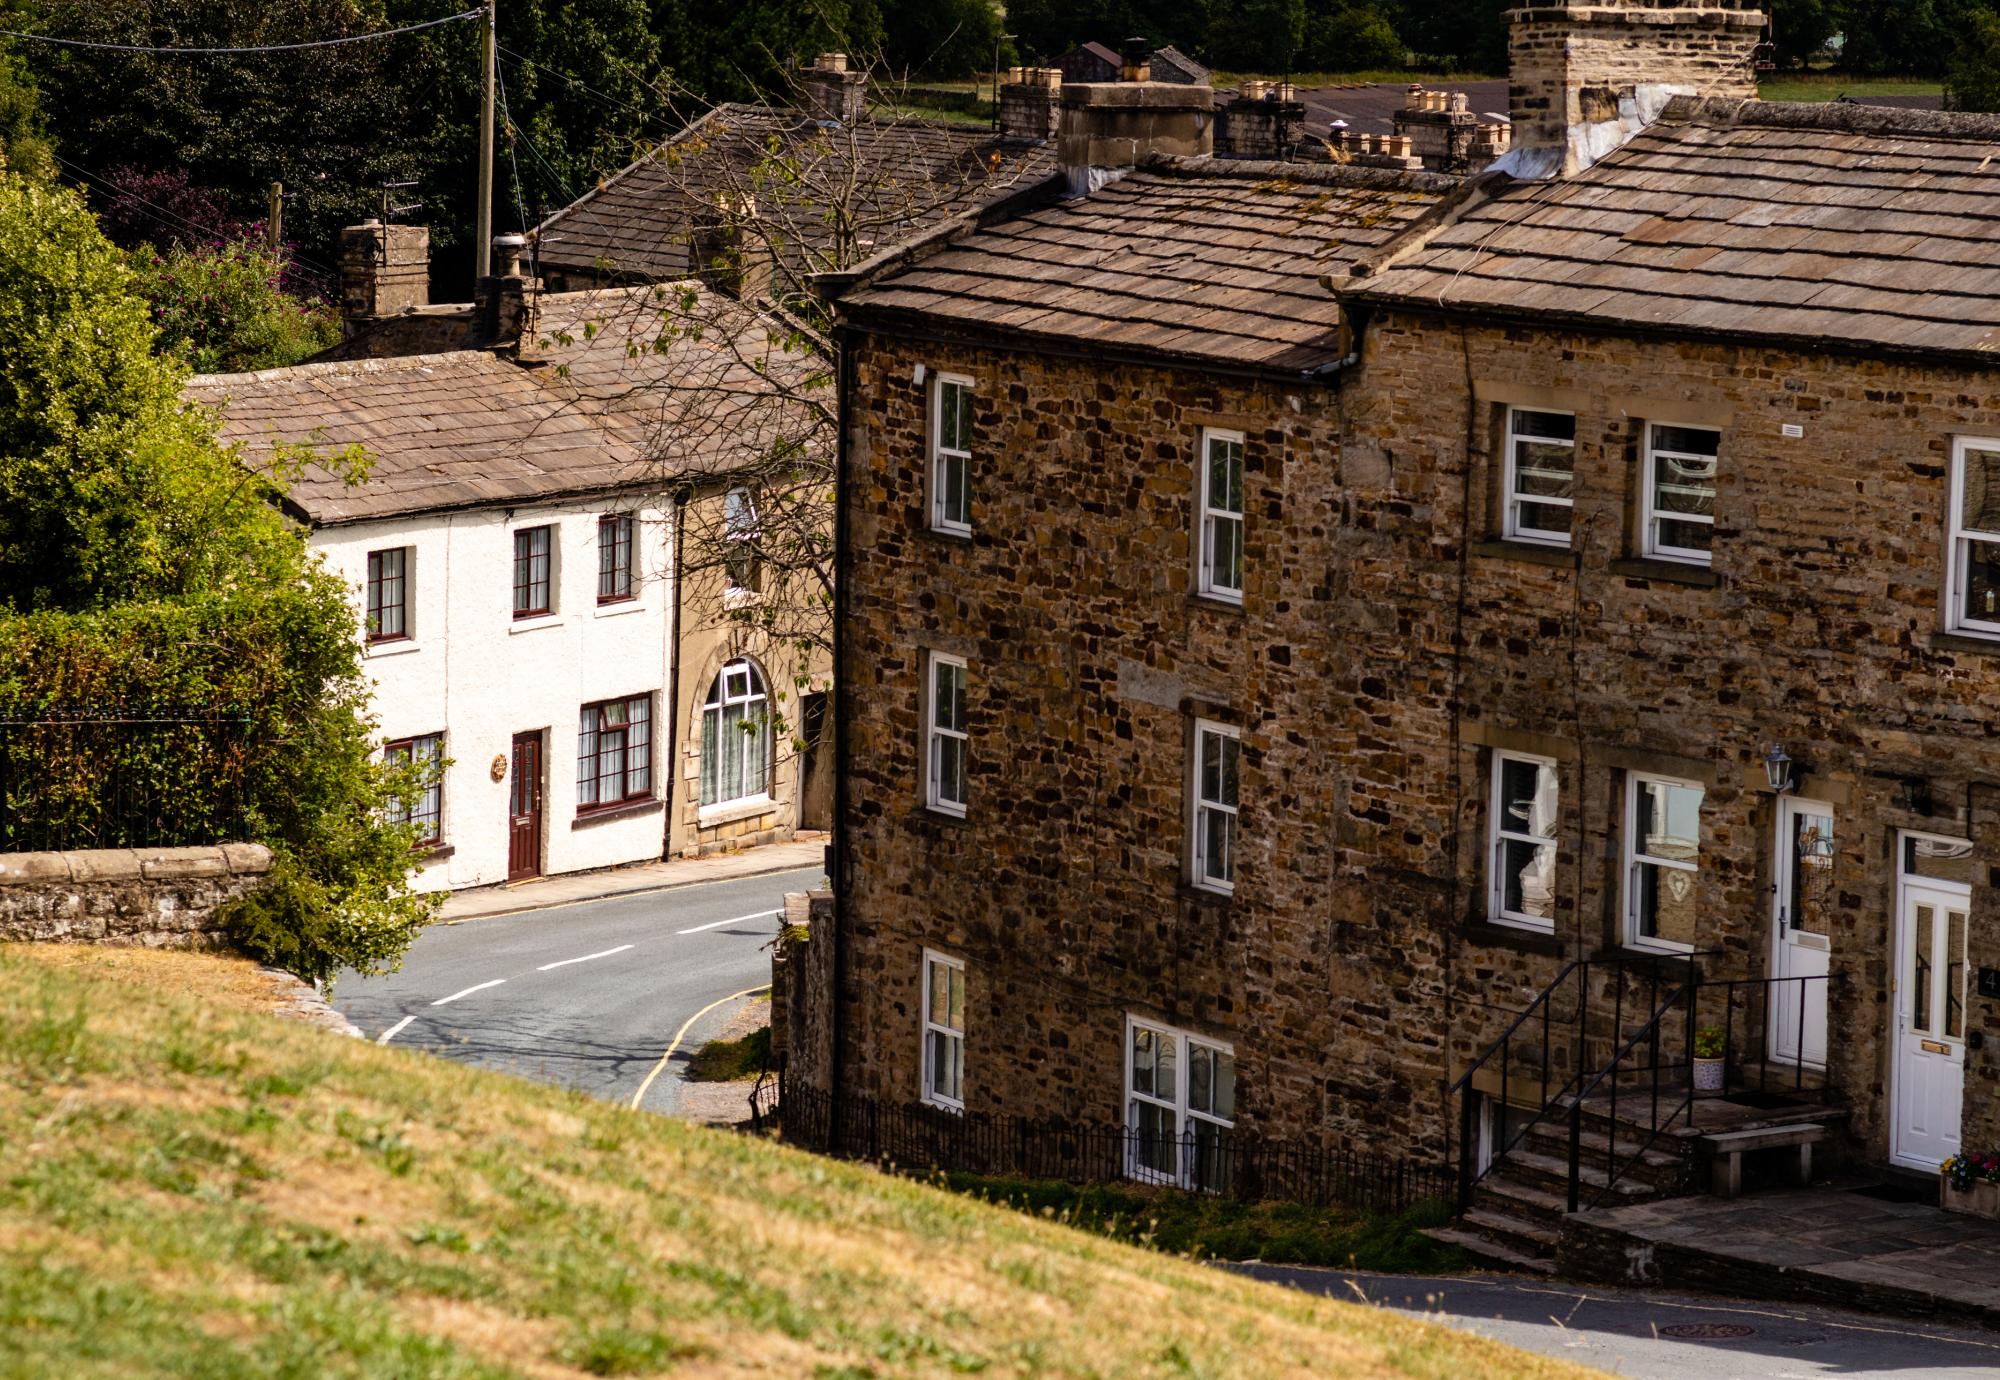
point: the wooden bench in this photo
(1729, 1147)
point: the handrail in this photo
(1468, 1175)
(1651, 1029)
(1527, 1011)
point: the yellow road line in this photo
(681, 1034)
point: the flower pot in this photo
(1708, 1075)
(1980, 1198)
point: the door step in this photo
(1489, 1252)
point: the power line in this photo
(266, 48)
(582, 85)
(513, 163)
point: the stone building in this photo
(1603, 631)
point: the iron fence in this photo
(1203, 1159)
(157, 778)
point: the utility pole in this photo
(483, 224)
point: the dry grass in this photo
(189, 1186)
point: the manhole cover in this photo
(1707, 1332)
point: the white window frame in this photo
(932, 958)
(1650, 517)
(1184, 1116)
(722, 713)
(1512, 527)
(1210, 516)
(1498, 835)
(1958, 545)
(936, 734)
(942, 455)
(1633, 859)
(1200, 807)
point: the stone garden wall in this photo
(150, 897)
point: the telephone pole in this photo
(483, 223)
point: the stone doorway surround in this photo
(1820, 1245)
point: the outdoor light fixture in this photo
(1778, 768)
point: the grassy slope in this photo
(190, 1186)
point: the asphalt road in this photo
(586, 995)
(1660, 1336)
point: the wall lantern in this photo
(1778, 768)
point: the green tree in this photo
(940, 38)
(1972, 80)
(139, 562)
(1257, 35)
(223, 307)
(1355, 38)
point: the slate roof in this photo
(1820, 224)
(1216, 262)
(473, 428)
(915, 173)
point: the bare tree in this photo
(740, 416)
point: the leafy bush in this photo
(1354, 39)
(223, 307)
(141, 565)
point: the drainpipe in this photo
(837, 869)
(674, 774)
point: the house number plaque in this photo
(498, 770)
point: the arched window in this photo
(735, 736)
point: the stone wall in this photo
(1064, 889)
(153, 897)
(1390, 643)
(801, 984)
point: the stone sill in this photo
(1965, 642)
(1205, 896)
(732, 811)
(1529, 552)
(1215, 603)
(947, 536)
(586, 818)
(923, 814)
(1516, 937)
(1666, 572)
(135, 864)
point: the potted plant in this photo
(1970, 1183)
(1708, 1059)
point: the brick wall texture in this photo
(1386, 646)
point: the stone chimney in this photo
(726, 252)
(509, 303)
(384, 269)
(1586, 75)
(1106, 129)
(1028, 104)
(831, 92)
(1263, 121)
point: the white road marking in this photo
(739, 920)
(468, 992)
(681, 1034)
(585, 959)
(393, 1031)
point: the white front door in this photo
(1930, 1024)
(1802, 878)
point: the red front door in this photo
(524, 808)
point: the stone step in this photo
(1491, 1252)
(1528, 1235)
(1551, 1173)
(1517, 1199)
(1657, 1164)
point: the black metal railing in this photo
(1203, 1158)
(1749, 1011)
(1646, 1038)
(122, 779)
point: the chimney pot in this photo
(1136, 60)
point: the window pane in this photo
(638, 749)
(733, 740)
(951, 476)
(1528, 877)
(1979, 580)
(1225, 476)
(1979, 497)
(1225, 552)
(1689, 440)
(950, 769)
(1218, 853)
(1200, 1077)
(1809, 907)
(1218, 768)
(955, 979)
(586, 757)
(1542, 517)
(1954, 974)
(1560, 426)
(1944, 860)
(1156, 1145)
(1920, 972)
(1542, 471)
(1225, 1085)
(1669, 820)
(1528, 797)
(1144, 1046)
(1209, 1161)
(1666, 903)
(711, 756)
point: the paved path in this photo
(1811, 1244)
(1652, 1335)
(585, 995)
(543, 892)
